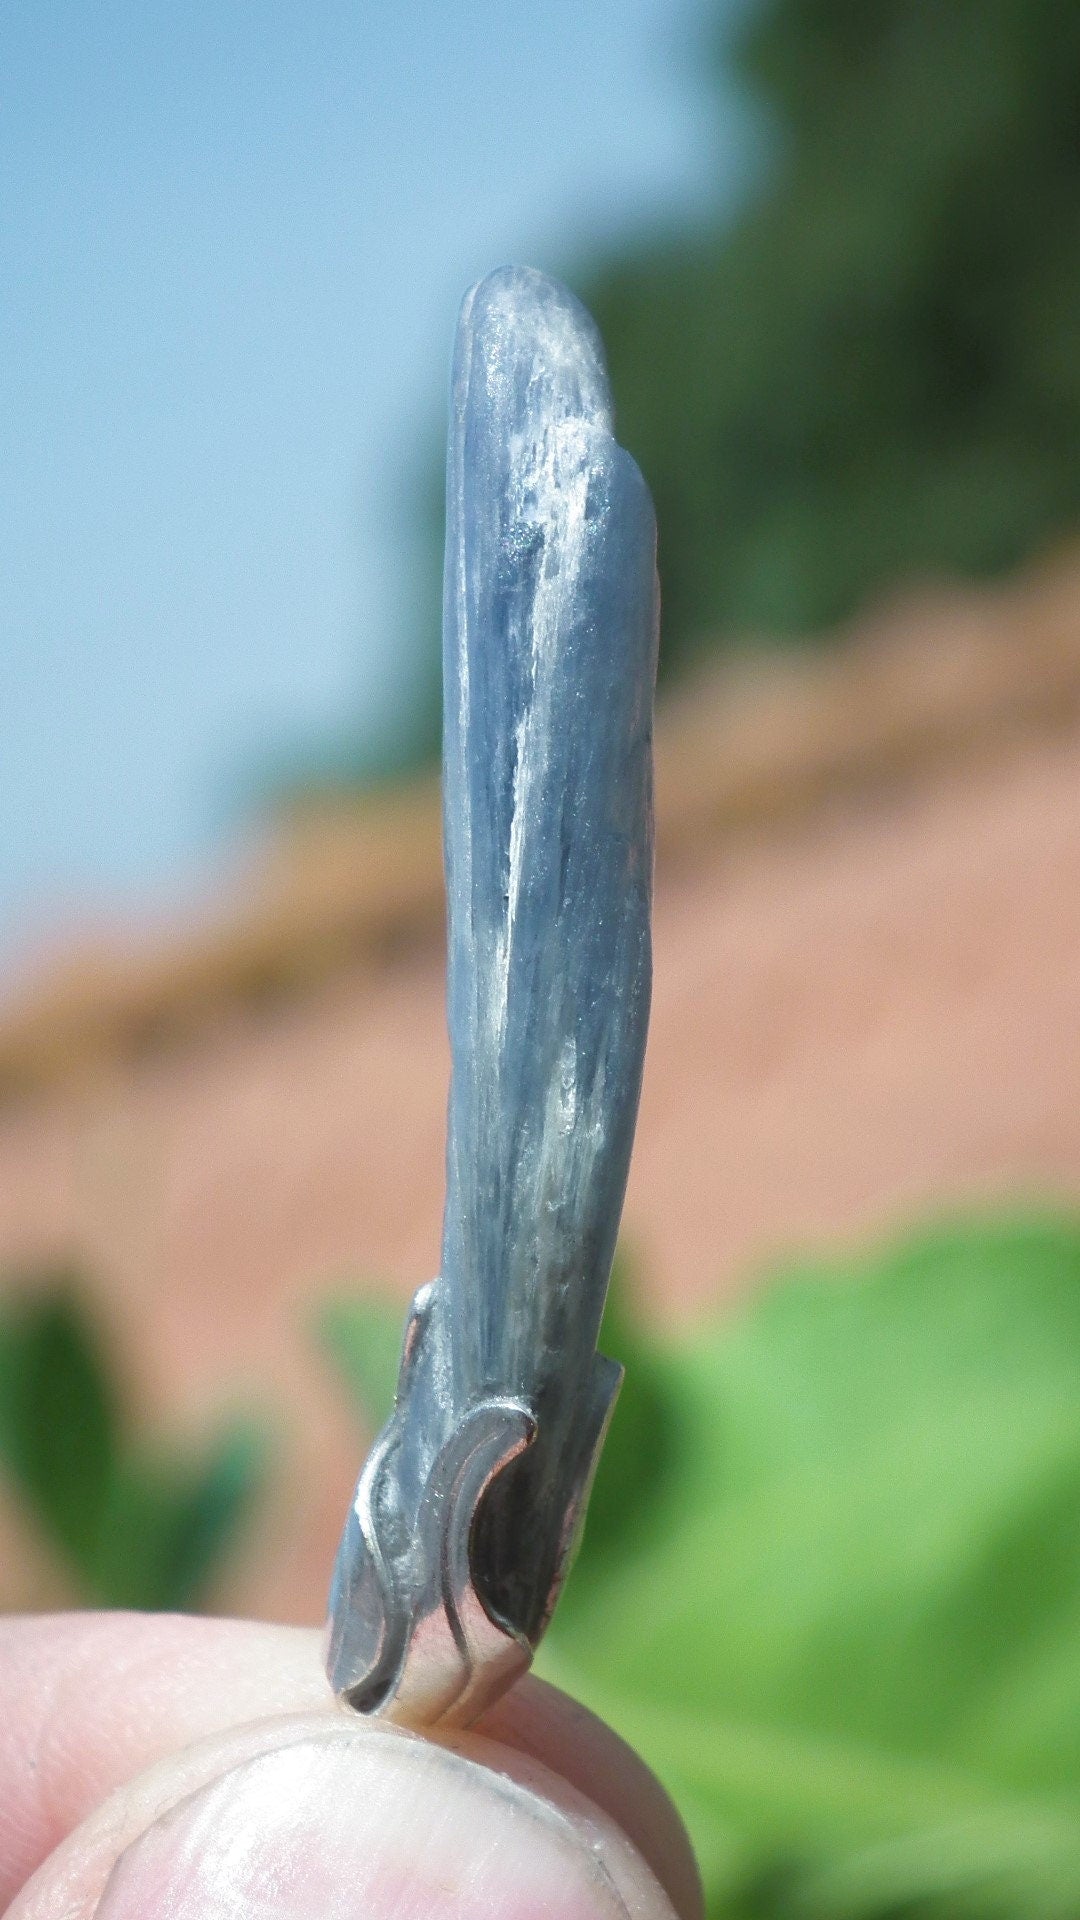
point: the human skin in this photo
(159, 1765)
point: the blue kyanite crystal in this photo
(550, 631)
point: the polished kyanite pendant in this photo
(468, 1507)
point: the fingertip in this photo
(331, 1817)
(537, 1720)
(92, 1701)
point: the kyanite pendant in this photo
(469, 1505)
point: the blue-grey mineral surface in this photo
(550, 633)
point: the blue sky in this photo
(233, 243)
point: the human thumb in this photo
(328, 1817)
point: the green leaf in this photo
(362, 1337)
(639, 1457)
(848, 1633)
(58, 1417)
(168, 1523)
(136, 1527)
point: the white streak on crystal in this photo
(551, 484)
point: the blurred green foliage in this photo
(361, 1335)
(830, 1583)
(133, 1526)
(873, 371)
(866, 376)
(870, 373)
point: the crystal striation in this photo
(468, 1507)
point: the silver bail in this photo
(468, 1508)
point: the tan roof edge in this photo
(345, 886)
